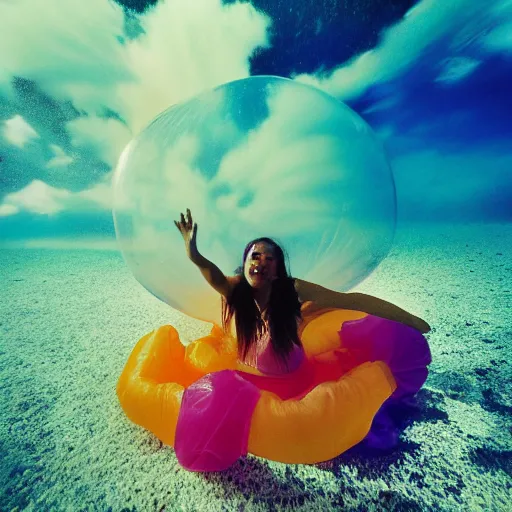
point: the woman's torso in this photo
(262, 356)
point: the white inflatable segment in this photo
(263, 156)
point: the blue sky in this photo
(77, 82)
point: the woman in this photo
(266, 302)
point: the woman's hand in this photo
(420, 325)
(188, 230)
(213, 275)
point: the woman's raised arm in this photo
(213, 275)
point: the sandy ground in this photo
(69, 319)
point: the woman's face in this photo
(260, 267)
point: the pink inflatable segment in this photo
(214, 420)
(216, 411)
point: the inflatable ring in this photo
(213, 409)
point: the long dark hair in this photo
(283, 309)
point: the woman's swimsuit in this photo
(262, 357)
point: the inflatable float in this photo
(214, 409)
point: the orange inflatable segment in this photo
(165, 359)
(215, 352)
(152, 383)
(160, 368)
(321, 326)
(242, 367)
(157, 409)
(212, 353)
(331, 418)
(133, 361)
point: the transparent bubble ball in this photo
(262, 156)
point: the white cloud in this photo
(105, 137)
(18, 132)
(64, 45)
(189, 47)
(7, 210)
(60, 159)
(274, 157)
(390, 101)
(456, 69)
(97, 197)
(40, 198)
(402, 44)
(72, 50)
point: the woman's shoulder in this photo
(297, 285)
(233, 281)
(309, 292)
